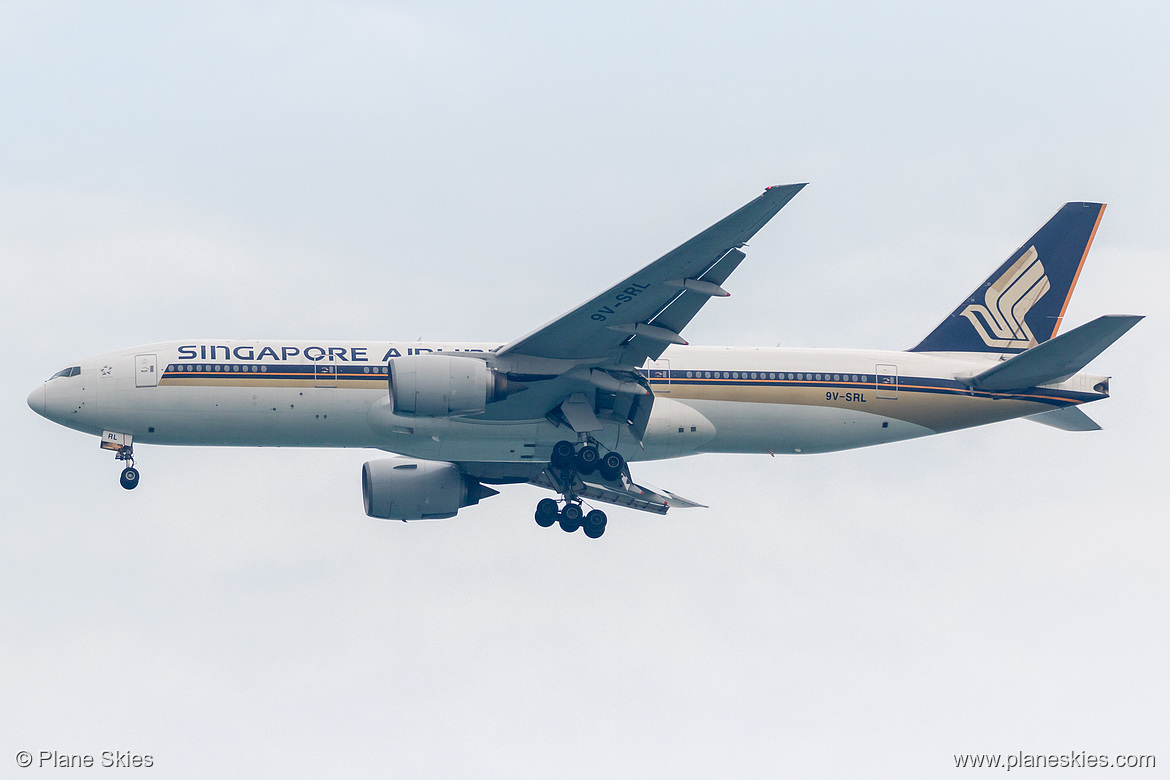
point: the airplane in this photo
(571, 405)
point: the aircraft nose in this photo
(36, 400)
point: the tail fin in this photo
(1022, 303)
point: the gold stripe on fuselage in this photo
(939, 409)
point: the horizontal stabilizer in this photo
(1055, 360)
(1070, 418)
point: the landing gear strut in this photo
(569, 461)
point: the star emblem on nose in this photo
(107, 370)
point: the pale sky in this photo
(469, 171)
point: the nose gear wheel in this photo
(129, 478)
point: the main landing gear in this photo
(587, 460)
(569, 461)
(572, 517)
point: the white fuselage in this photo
(707, 399)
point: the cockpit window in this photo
(71, 371)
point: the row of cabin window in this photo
(226, 369)
(235, 367)
(778, 375)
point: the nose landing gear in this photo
(568, 461)
(123, 447)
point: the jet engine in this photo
(443, 385)
(409, 489)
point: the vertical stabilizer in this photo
(1022, 303)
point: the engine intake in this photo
(443, 385)
(409, 489)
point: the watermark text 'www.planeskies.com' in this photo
(1072, 760)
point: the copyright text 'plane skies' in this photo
(571, 405)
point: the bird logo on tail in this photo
(1000, 320)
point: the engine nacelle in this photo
(442, 385)
(409, 489)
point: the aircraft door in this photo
(887, 381)
(145, 371)
(325, 372)
(658, 372)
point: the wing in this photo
(621, 492)
(638, 317)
